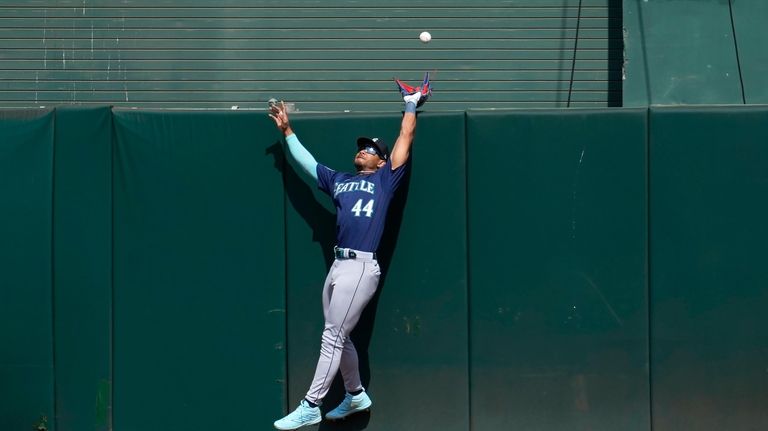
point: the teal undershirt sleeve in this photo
(302, 156)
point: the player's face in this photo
(367, 160)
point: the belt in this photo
(348, 253)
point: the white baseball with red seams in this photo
(425, 36)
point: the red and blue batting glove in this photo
(415, 95)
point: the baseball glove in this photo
(418, 95)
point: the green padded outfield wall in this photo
(525, 303)
(412, 340)
(558, 270)
(82, 267)
(26, 329)
(199, 272)
(709, 179)
(324, 56)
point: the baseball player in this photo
(362, 200)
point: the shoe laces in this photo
(306, 409)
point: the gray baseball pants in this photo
(349, 286)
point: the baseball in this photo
(425, 36)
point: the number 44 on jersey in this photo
(367, 209)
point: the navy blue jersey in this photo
(362, 202)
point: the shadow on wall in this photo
(323, 225)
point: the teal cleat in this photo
(351, 404)
(303, 415)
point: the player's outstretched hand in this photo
(417, 95)
(279, 114)
(415, 98)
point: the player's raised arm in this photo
(413, 98)
(307, 162)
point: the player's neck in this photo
(365, 172)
